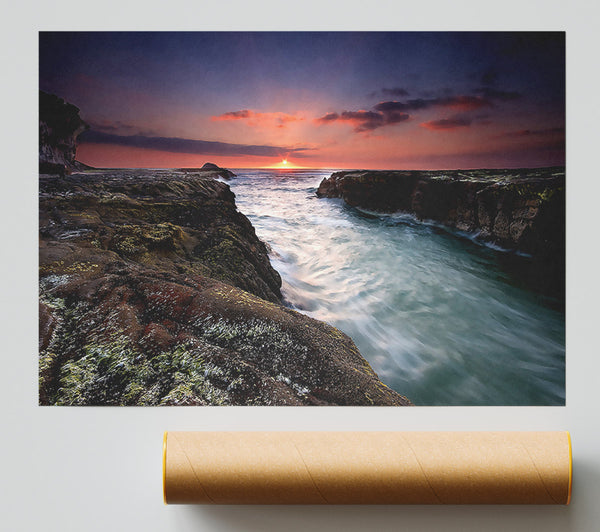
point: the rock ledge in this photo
(155, 290)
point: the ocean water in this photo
(433, 312)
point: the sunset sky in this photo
(319, 100)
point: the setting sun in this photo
(285, 164)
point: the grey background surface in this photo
(99, 469)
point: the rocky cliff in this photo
(60, 124)
(522, 210)
(154, 289)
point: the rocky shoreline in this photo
(154, 290)
(520, 210)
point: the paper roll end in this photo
(570, 467)
(164, 467)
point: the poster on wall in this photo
(302, 218)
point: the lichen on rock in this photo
(155, 290)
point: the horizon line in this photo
(326, 168)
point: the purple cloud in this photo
(179, 145)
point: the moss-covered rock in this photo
(155, 290)
(178, 223)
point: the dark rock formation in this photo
(60, 124)
(517, 209)
(154, 289)
(209, 168)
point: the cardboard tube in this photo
(367, 467)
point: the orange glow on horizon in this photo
(114, 156)
(285, 164)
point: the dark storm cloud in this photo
(486, 96)
(445, 124)
(360, 115)
(329, 117)
(179, 145)
(463, 102)
(119, 128)
(365, 120)
(393, 112)
(401, 106)
(395, 117)
(233, 115)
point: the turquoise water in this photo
(433, 312)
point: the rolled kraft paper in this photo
(367, 467)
